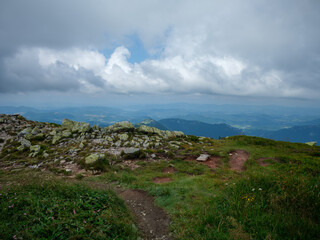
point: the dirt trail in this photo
(237, 160)
(152, 220)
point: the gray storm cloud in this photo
(234, 48)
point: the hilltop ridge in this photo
(204, 188)
(42, 145)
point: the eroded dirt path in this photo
(152, 220)
(237, 160)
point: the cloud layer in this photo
(234, 48)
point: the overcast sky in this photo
(101, 51)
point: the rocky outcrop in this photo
(120, 127)
(147, 129)
(93, 158)
(36, 145)
(73, 126)
(131, 153)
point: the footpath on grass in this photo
(153, 222)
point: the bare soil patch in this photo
(169, 170)
(266, 161)
(159, 180)
(213, 162)
(152, 220)
(237, 160)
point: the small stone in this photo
(25, 143)
(35, 131)
(123, 137)
(81, 145)
(66, 133)
(35, 148)
(20, 148)
(55, 139)
(131, 153)
(203, 157)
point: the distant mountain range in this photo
(200, 128)
(152, 123)
(204, 122)
(309, 133)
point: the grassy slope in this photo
(280, 201)
(53, 209)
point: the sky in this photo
(100, 52)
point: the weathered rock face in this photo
(73, 126)
(25, 143)
(35, 148)
(123, 137)
(72, 141)
(178, 133)
(35, 131)
(25, 132)
(55, 139)
(147, 129)
(120, 127)
(66, 133)
(131, 153)
(93, 158)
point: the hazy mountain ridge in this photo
(200, 129)
(195, 119)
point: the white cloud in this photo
(90, 72)
(238, 48)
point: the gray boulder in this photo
(131, 153)
(147, 129)
(120, 127)
(123, 137)
(93, 158)
(25, 143)
(25, 132)
(56, 139)
(35, 148)
(66, 133)
(73, 126)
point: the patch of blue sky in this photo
(138, 52)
